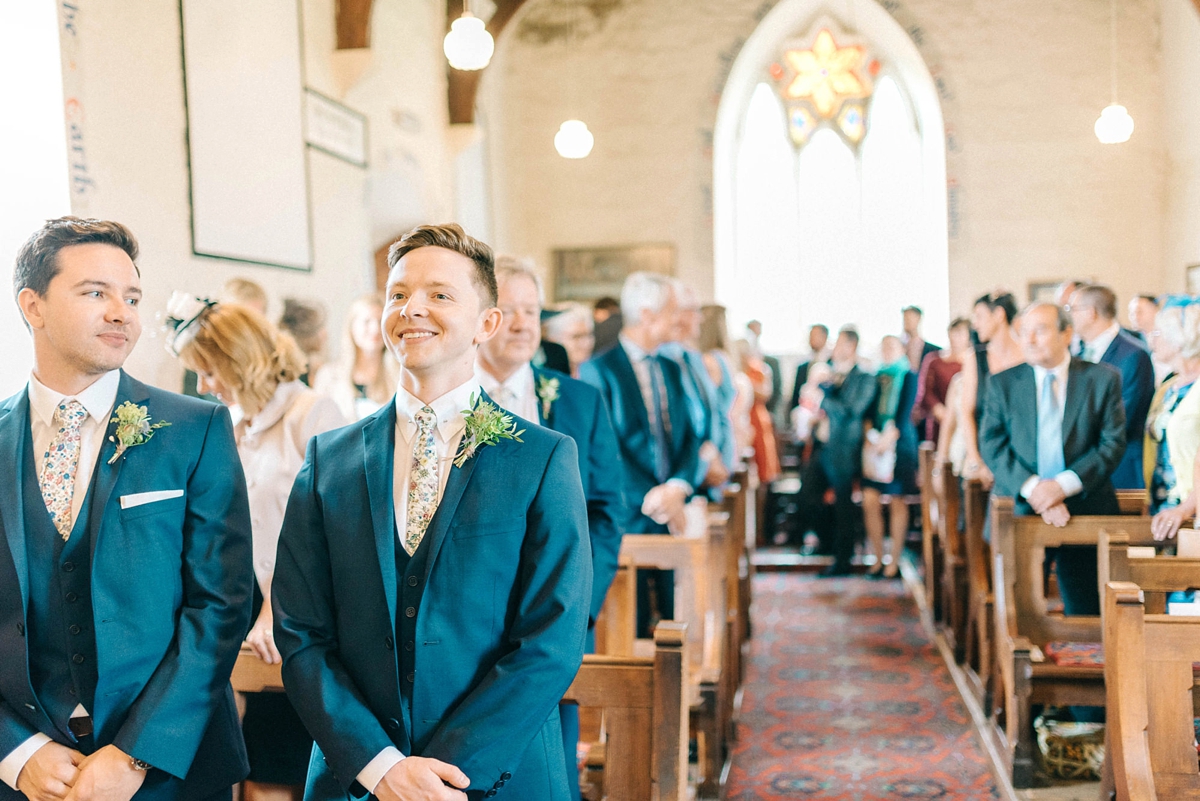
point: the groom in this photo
(432, 584)
(125, 569)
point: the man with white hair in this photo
(660, 450)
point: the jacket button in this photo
(387, 643)
(68, 567)
(412, 581)
(411, 676)
(21, 629)
(410, 612)
(408, 646)
(74, 629)
(77, 659)
(393, 724)
(71, 597)
(490, 793)
(505, 776)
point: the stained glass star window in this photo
(826, 84)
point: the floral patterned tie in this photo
(422, 481)
(59, 463)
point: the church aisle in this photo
(847, 698)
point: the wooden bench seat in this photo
(931, 545)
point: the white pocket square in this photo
(142, 498)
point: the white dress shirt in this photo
(448, 433)
(98, 400)
(515, 394)
(1068, 479)
(1094, 351)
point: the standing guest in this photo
(1064, 291)
(1052, 434)
(364, 376)
(1142, 311)
(252, 367)
(754, 327)
(1173, 433)
(915, 346)
(818, 339)
(570, 407)
(892, 437)
(433, 580)
(699, 389)
(766, 455)
(660, 452)
(714, 344)
(1093, 311)
(608, 323)
(235, 290)
(305, 321)
(930, 409)
(571, 325)
(847, 393)
(124, 552)
(991, 317)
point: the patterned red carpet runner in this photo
(847, 698)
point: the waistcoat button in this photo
(410, 612)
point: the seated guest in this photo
(571, 325)
(1173, 431)
(570, 407)
(1093, 312)
(818, 338)
(892, 448)
(991, 317)
(915, 346)
(305, 321)
(364, 376)
(252, 367)
(933, 383)
(606, 315)
(1052, 434)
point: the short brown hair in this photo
(451, 236)
(1100, 298)
(37, 260)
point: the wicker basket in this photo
(1071, 750)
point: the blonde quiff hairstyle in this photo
(246, 352)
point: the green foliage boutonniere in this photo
(486, 425)
(133, 428)
(547, 392)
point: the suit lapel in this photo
(635, 407)
(106, 474)
(379, 447)
(1076, 392)
(13, 426)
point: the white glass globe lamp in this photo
(574, 140)
(468, 46)
(1114, 125)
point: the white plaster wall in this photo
(1022, 82)
(1181, 95)
(132, 95)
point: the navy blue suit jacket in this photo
(501, 625)
(171, 592)
(612, 373)
(1132, 361)
(580, 413)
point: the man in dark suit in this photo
(660, 451)
(432, 585)
(818, 338)
(570, 407)
(849, 392)
(125, 567)
(1093, 312)
(1053, 431)
(915, 345)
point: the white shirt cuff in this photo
(12, 765)
(370, 776)
(1027, 487)
(1070, 483)
(679, 482)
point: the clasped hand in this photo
(422, 779)
(58, 773)
(1046, 495)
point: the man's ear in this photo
(30, 303)
(489, 324)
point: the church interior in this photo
(826, 187)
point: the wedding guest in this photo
(714, 344)
(253, 368)
(364, 376)
(930, 409)
(915, 346)
(771, 363)
(992, 318)
(246, 292)
(1142, 311)
(608, 324)
(1173, 430)
(572, 326)
(305, 321)
(818, 339)
(891, 442)
(766, 454)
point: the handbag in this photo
(878, 466)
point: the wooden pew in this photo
(979, 666)
(954, 562)
(645, 713)
(1024, 625)
(1150, 679)
(616, 625)
(741, 523)
(931, 551)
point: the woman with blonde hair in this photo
(364, 376)
(254, 368)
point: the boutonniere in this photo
(133, 428)
(485, 425)
(547, 392)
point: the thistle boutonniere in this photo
(486, 425)
(133, 428)
(547, 392)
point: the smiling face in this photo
(435, 315)
(87, 321)
(520, 331)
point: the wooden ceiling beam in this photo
(462, 86)
(353, 24)
(1197, 2)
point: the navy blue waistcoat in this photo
(410, 574)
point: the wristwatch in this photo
(139, 764)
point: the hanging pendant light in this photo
(574, 140)
(468, 45)
(1114, 125)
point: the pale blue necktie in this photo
(1050, 461)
